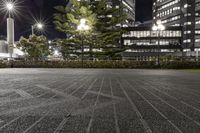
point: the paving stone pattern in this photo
(99, 101)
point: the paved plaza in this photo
(99, 101)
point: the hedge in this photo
(78, 64)
(180, 65)
(102, 64)
(3, 64)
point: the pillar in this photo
(10, 36)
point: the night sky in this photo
(43, 10)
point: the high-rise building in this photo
(183, 13)
(129, 9)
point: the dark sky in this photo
(43, 9)
(143, 10)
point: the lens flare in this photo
(10, 7)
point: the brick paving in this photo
(99, 101)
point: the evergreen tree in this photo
(67, 20)
(109, 22)
(68, 50)
(68, 17)
(104, 23)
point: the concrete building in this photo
(184, 13)
(4, 50)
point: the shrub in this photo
(180, 65)
(102, 64)
(3, 64)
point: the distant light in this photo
(39, 25)
(10, 6)
(159, 22)
(83, 21)
(161, 27)
(56, 53)
(155, 28)
(49, 42)
(83, 25)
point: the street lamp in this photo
(39, 26)
(9, 7)
(49, 42)
(10, 28)
(82, 27)
(158, 27)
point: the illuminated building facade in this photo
(183, 13)
(142, 42)
(129, 9)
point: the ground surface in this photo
(99, 101)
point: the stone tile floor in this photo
(99, 101)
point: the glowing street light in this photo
(49, 42)
(56, 53)
(158, 27)
(82, 27)
(9, 6)
(39, 26)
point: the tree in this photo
(67, 49)
(34, 47)
(104, 22)
(109, 22)
(68, 18)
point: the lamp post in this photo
(158, 27)
(38, 26)
(82, 27)
(10, 29)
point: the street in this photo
(99, 101)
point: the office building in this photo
(144, 44)
(183, 13)
(129, 9)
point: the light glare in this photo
(56, 53)
(161, 27)
(83, 25)
(158, 27)
(154, 28)
(83, 21)
(39, 26)
(9, 6)
(159, 22)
